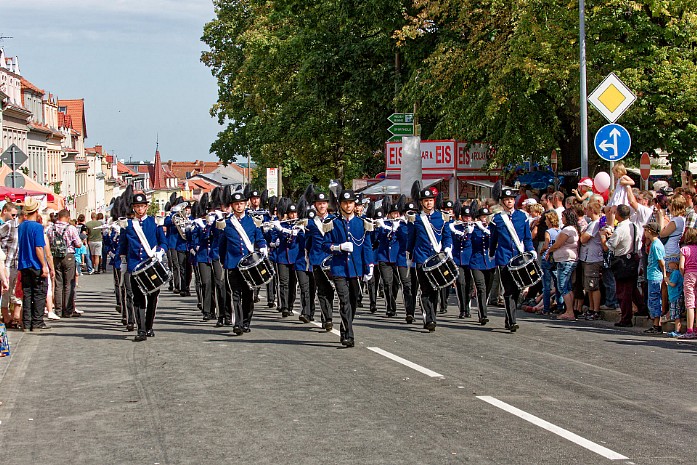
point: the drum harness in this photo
(514, 235)
(430, 233)
(243, 234)
(143, 241)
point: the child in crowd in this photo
(655, 274)
(688, 267)
(79, 254)
(675, 297)
(585, 189)
(619, 195)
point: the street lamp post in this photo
(583, 102)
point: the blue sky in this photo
(135, 62)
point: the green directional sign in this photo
(401, 129)
(401, 118)
(395, 139)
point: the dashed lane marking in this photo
(405, 362)
(566, 434)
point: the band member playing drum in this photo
(314, 239)
(503, 247)
(481, 264)
(431, 236)
(462, 253)
(348, 240)
(240, 237)
(135, 251)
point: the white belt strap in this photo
(429, 231)
(511, 230)
(141, 236)
(243, 234)
(319, 224)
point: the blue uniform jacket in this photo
(314, 240)
(302, 259)
(388, 243)
(422, 248)
(114, 236)
(344, 264)
(202, 240)
(130, 246)
(287, 250)
(462, 245)
(480, 250)
(174, 239)
(405, 234)
(232, 247)
(502, 246)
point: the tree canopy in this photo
(307, 84)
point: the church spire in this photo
(158, 178)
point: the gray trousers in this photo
(390, 280)
(64, 293)
(306, 279)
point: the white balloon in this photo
(602, 182)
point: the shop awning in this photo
(391, 187)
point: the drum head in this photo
(251, 260)
(434, 261)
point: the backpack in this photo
(59, 249)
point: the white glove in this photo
(110, 255)
(346, 247)
(160, 254)
(277, 225)
(534, 254)
(264, 251)
(470, 228)
(124, 264)
(449, 252)
(369, 276)
(220, 224)
(295, 232)
(192, 251)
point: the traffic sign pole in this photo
(583, 103)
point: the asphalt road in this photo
(84, 393)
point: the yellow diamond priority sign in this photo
(612, 98)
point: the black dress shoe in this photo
(66, 315)
(228, 323)
(130, 327)
(246, 329)
(328, 326)
(513, 328)
(140, 337)
(621, 324)
(349, 343)
(410, 319)
(256, 300)
(176, 291)
(461, 315)
(344, 341)
(373, 309)
(150, 333)
(124, 321)
(359, 304)
(206, 317)
(75, 315)
(285, 313)
(237, 330)
(219, 324)
(483, 321)
(431, 326)
(304, 318)
(42, 325)
(182, 294)
(390, 314)
(271, 304)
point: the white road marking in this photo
(568, 435)
(405, 362)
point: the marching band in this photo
(234, 243)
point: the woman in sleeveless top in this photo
(673, 229)
(552, 222)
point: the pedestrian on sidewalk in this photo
(688, 267)
(674, 281)
(33, 267)
(11, 305)
(64, 239)
(94, 242)
(655, 274)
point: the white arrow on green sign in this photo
(402, 129)
(401, 118)
(395, 139)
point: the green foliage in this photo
(153, 209)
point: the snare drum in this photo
(256, 269)
(151, 275)
(440, 270)
(525, 270)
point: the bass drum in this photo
(525, 270)
(151, 275)
(256, 269)
(440, 270)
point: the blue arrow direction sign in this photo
(612, 142)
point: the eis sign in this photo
(441, 155)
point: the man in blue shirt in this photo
(32, 265)
(503, 247)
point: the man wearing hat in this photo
(33, 267)
(388, 255)
(134, 252)
(445, 291)
(431, 235)
(241, 236)
(286, 254)
(462, 252)
(481, 265)
(348, 240)
(183, 265)
(503, 247)
(405, 265)
(314, 240)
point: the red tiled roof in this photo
(64, 120)
(180, 168)
(26, 85)
(123, 169)
(76, 109)
(40, 128)
(110, 159)
(197, 184)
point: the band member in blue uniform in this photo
(503, 248)
(286, 254)
(183, 266)
(388, 257)
(481, 264)
(445, 291)
(218, 300)
(305, 276)
(462, 252)
(314, 240)
(348, 240)
(133, 251)
(202, 244)
(405, 264)
(431, 235)
(241, 236)
(171, 234)
(374, 284)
